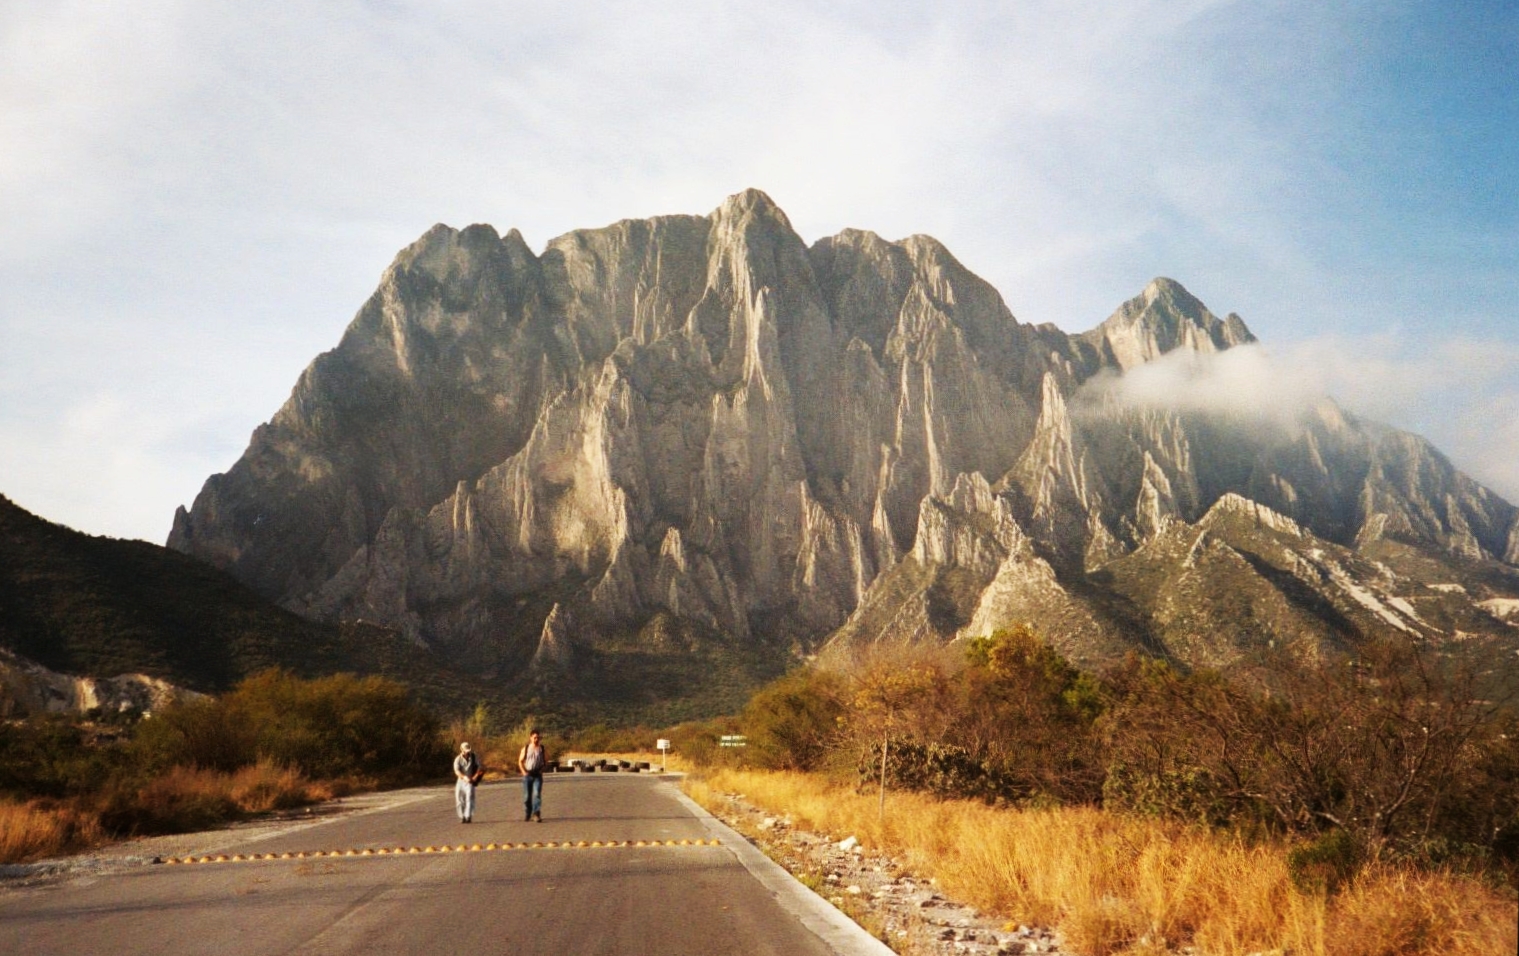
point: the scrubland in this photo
(1117, 883)
(274, 742)
(1356, 806)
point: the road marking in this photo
(442, 848)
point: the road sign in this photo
(733, 740)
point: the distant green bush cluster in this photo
(274, 741)
(1394, 753)
(327, 728)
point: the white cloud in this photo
(1462, 394)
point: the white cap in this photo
(464, 747)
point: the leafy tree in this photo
(792, 723)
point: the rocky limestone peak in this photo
(1051, 468)
(1238, 505)
(750, 204)
(698, 420)
(1165, 316)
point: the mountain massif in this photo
(695, 448)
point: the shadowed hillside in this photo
(102, 607)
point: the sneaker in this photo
(527, 818)
(538, 817)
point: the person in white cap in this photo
(468, 770)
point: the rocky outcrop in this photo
(28, 689)
(520, 459)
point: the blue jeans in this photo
(532, 794)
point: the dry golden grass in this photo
(266, 786)
(186, 797)
(32, 831)
(182, 799)
(1116, 884)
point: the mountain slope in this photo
(103, 607)
(695, 438)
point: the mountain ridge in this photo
(526, 460)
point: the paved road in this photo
(657, 899)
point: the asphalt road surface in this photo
(700, 899)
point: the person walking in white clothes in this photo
(467, 770)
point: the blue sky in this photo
(196, 196)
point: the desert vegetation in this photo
(1364, 804)
(273, 742)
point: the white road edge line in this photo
(842, 934)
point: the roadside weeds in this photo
(1114, 883)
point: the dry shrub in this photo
(38, 829)
(183, 799)
(264, 786)
(1116, 883)
(1391, 911)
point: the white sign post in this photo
(664, 750)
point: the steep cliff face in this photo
(700, 432)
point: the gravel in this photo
(910, 913)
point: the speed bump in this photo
(357, 852)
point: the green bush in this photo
(792, 722)
(202, 732)
(1187, 794)
(603, 739)
(1326, 864)
(945, 770)
(327, 728)
(55, 756)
